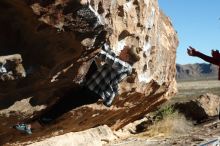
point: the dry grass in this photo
(170, 126)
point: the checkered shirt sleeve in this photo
(104, 81)
(110, 58)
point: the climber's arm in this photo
(193, 52)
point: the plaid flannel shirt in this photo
(104, 81)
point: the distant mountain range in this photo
(196, 71)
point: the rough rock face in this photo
(11, 67)
(58, 39)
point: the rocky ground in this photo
(193, 136)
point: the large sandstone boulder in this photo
(58, 39)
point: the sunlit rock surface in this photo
(58, 39)
(92, 137)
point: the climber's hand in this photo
(192, 51)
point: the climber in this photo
(102, 83)
(214, 59)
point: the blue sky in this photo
(197, 24)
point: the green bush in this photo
(164, 112)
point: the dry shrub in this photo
(171, 125)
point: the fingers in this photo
(188, 50)
(191, 48)
(215, 51)
(215, 54)
(191, 51)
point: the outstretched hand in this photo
(215, 54)
(192, 51)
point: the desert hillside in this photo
(196, 71)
